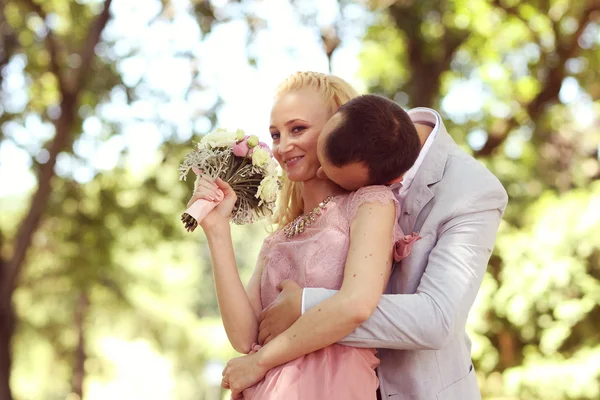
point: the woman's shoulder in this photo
(372, 194)
(369, 194)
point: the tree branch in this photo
(425, 69)
(9, 43)
(51, 44)
(496, 138)
(514, 11)
(88, 51)
(31, 221)
(2, 261)
(452, 41)
(63, 129)
(567, 51)
(554, 77)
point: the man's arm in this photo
(455, 269)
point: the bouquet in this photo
(242, 161)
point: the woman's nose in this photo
(285, 144)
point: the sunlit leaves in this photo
(382, 56)
(526, 89)
(524, 80)
(557, 286)
(13, 15)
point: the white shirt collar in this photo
(420, 114)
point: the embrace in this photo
(384, 231)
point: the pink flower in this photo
(241, 149)
(266, 147)
(403, 246)
(261, 145)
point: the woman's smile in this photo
(292, 162)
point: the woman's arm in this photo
(367, 270)
(239, 307)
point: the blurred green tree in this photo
(58, 256)
(60, 62)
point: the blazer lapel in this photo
(431, 171)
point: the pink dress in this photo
(316, 258)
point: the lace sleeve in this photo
(370, 194)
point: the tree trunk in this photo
(11, 269)
(7, 324)
(80, 354)
(425, 69)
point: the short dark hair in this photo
(377, 132)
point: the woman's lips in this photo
(292, 162)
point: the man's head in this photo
(369, 141)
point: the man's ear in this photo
(397, 180)
(321, 174)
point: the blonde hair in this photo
(334, 91)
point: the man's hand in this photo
(282, 313)
(242, 373)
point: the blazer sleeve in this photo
(429, 318)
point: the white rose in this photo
(271, 168)
(260, 157)
(220, 138)
(268, 189)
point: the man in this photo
(456, 205)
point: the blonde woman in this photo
(327, 238)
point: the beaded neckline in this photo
(298, 225)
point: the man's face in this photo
(351, 176)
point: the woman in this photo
(327, 238)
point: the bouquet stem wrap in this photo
(199, 210)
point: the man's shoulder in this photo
(469, 178)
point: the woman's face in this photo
(296, 122)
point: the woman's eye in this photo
(298, 129)
(275, 136)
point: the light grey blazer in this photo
(456, 205)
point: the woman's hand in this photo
(207, 189)
(242, 373)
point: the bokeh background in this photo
(103, 295)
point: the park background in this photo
(103, 295)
